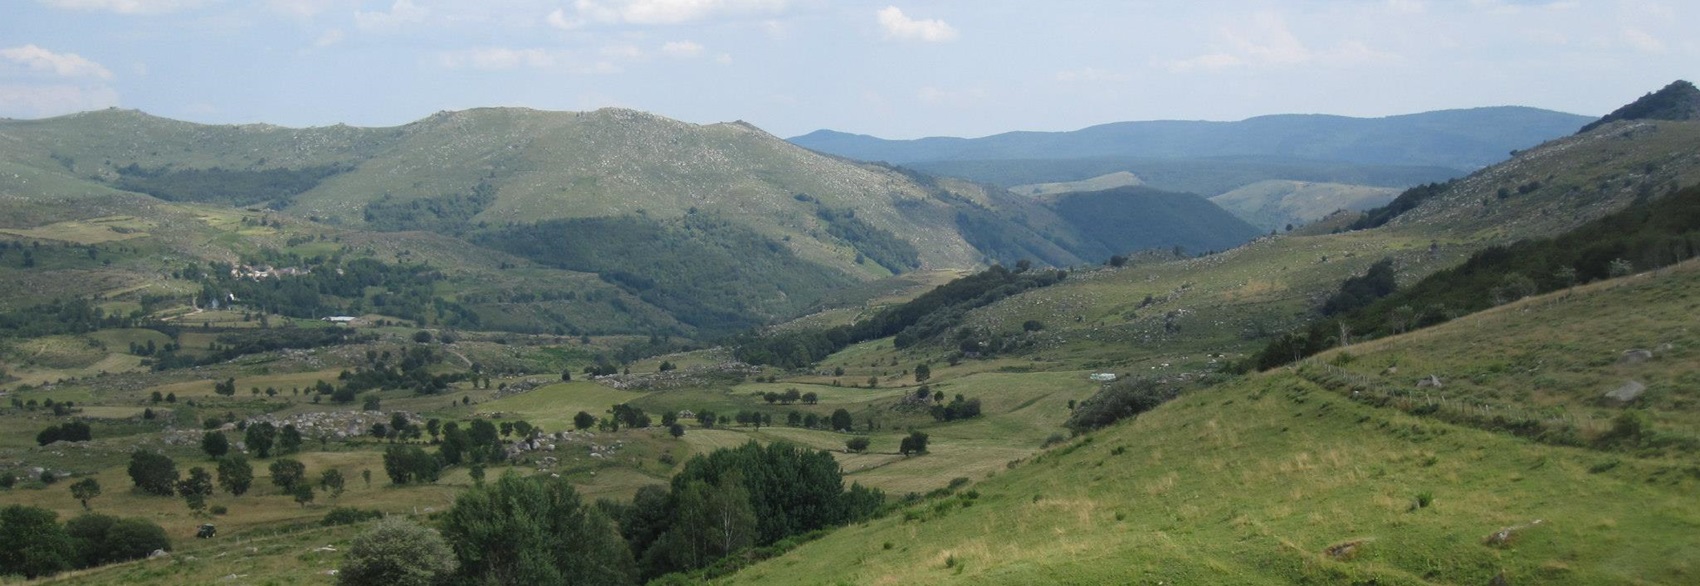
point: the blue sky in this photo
(892, 68)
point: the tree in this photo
(923, 372)
(916, 443)
(215, 444)
(289, 440)
(1116, 401)
(566, 376)
(372, 403)
(706, 419)
(710, 522)
(303, 494)
(154, 473)
(584, 420)
(422, 337)
(196, 488)
(405, 464)
(85, 490)
(534, 531)
(332, 481)
(790, 396)
(676, 430)
(234, 474)
(287, 473)
(856, 444)
(841, 420)
(33, 543)
(397, 552)
(259, 438)
(811, 398)
(873, 382)
(103, 539)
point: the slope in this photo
(1273, 479)
(782, 227)
(1128, 219)
(1277, 204)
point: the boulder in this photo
(1628, 392)
(1430, 382)
(1636, 356)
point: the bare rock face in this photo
(1628, 392)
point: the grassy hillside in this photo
(1284, 480)
(1099, 183)
(1276, 204)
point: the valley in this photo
(1085, 379)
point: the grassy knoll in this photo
(1253, 482)
(1532, 360)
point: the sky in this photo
(889, 68)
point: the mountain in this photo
(1459, 139)
(1678, 101)
(1126, 219)
(1209, 177)
(1275, 204)
(701, 229)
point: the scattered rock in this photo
(1500, 580)
(326, 548)
(1430, 381)
(1629, 392)
(159, 553)
(1391, 370)
(1507, 536)
(1636, 356)
(1344, 551)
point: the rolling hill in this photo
(1276, 204)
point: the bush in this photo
(397, 552)
(1117, 401)
(102, 539)
(348, 516)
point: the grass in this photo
(1532, 360)
(1251, 482)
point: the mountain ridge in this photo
(1474, 144)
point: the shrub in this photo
(348, 516)
(1117, 401)
(397, 552)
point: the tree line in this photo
(1647, 235)
(920, 319)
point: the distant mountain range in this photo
(1460, 139)
(1212, 158)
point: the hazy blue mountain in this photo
(1461, 139)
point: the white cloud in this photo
(330, 37)
(723, 58)
(402, 13)
(37, 101)
(1266, 41)
(938, 96)
(681, 49)
(126, 6)
(899, 26)
(497, 58)
(504, 59)
(656, 12)
(1407, 6)
(621, 52)
(59, 64)
(1089, 75)
(1641, 41)
(305, 8)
